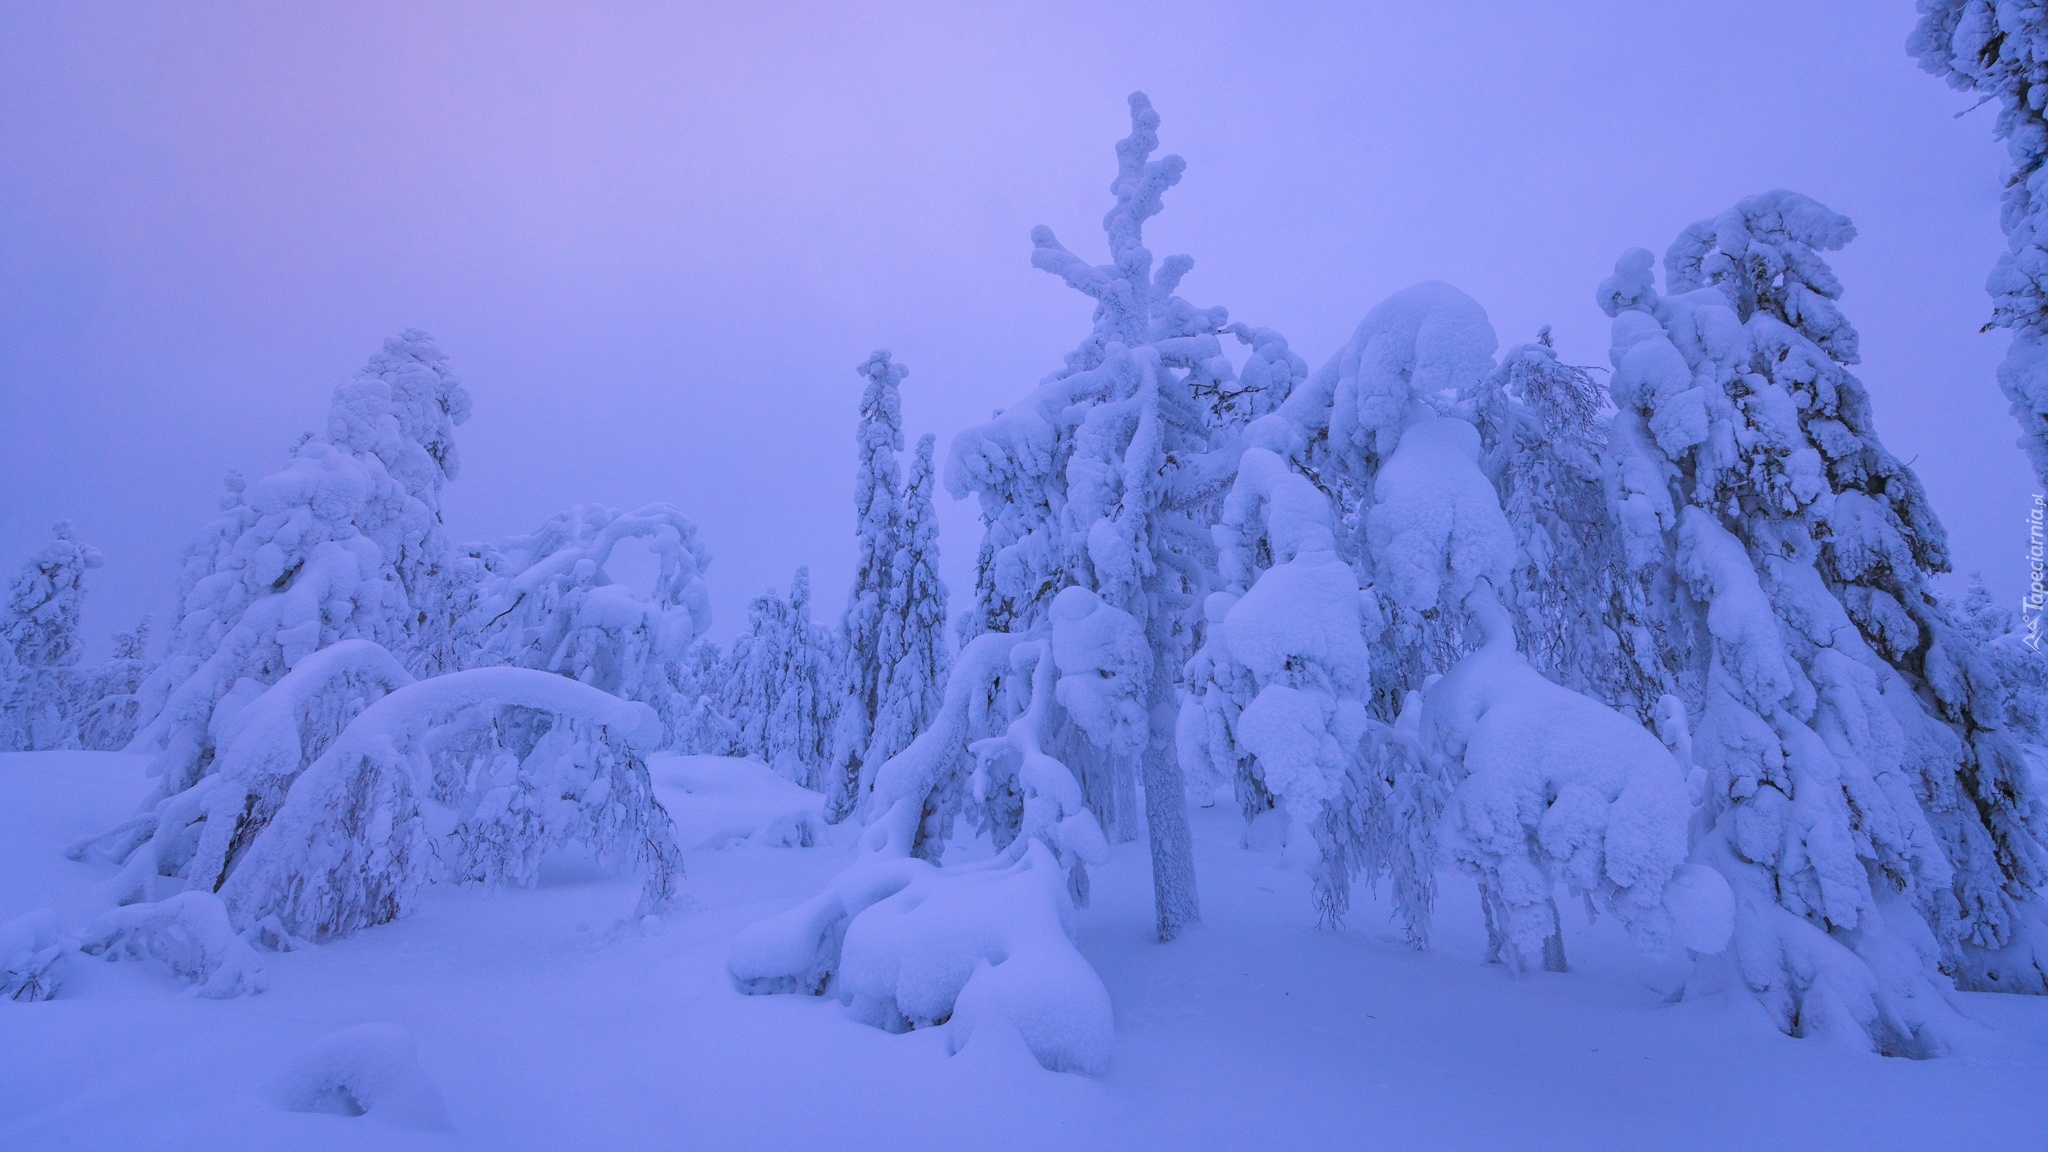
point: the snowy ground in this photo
(544, 1025)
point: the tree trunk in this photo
(1166, 819)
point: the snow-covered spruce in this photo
(2001, 50)
(1102, 477)
(908, 944)
(547, 601)
(344, 543)
(110, 717)
(467, 776)
(878, 514)
(1859, 789)
(914, 637)
(775, 685)
(44, 696)
(1584, 617)
(1280, 693)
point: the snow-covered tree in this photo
(17, 702)
(344, 543)
(108, 722)
(775, 689)
(2000, 48)
(1101, 478)
(2018, 661)
(913, 623)
(515, 760)
(1584, 616)
(908, 945)
(1859, 788)
(1522, 782)
(878, 516)
(39, 623)
(547, 601)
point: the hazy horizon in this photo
(654, 243)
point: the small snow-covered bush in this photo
(189, 933)
(29, 953)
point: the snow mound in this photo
(908, 946)
(369, 1070)
(189, 933)
(721, 801)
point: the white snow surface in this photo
(536, 1018)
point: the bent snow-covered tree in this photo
(1534, 784)
(548, 601)
(1859, 791)
(516, 761)
(909, 945)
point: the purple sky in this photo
(655, 241)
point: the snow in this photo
(721, 802)
(542, 1022)
(368, 1070)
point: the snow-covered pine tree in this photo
(1102, 478)
(878, 513)
(775, 685)
(800, 723)
(913, 624)
(1859, 789)
(108, 722)
(40, 623)
(1583, 617)
(334, 546)
(2001, 50)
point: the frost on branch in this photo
(1585, 614)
